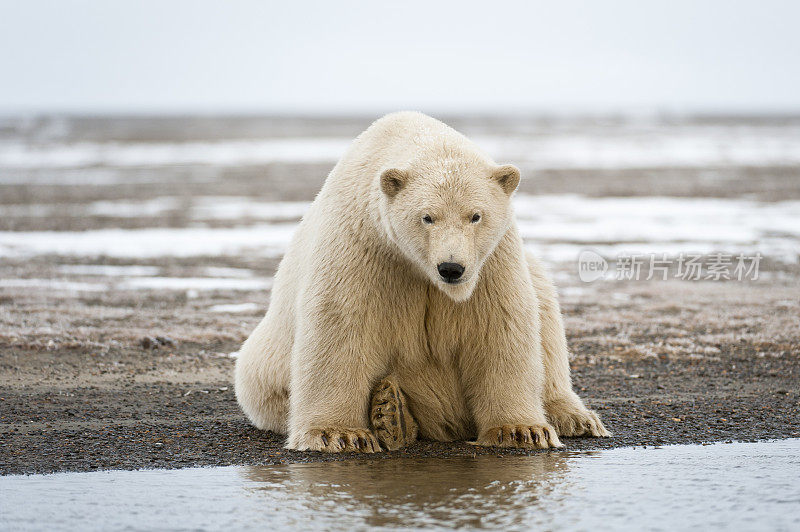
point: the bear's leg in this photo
(564, 409)
(502, 372)
(505, 396)
(390, 418)
(262, 376)
(331, 385)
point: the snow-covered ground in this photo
(557, 227)
(618, 148)
(264, 239)
(142, 283)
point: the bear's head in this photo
(448, 217)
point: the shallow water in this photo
(747, 486)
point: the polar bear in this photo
(407, 306)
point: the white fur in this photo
(358, 297)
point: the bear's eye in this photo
(427, 219)
(476, 218)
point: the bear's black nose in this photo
(450, 271)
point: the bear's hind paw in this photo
(390, 418)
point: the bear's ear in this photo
(507, 176)
(392, 180)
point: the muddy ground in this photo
(86, 383)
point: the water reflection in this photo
(462, 492)
(752, 486)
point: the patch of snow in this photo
(235, 208)
(98, 177)
(239, 273)
(201, 208)
(194, 283)
(133, 209)
(670, 147)
(108, 270)
(555, 227)
(143, 283)
(268, 240)
(235, 308)
(613, 147)
(558, 227)
(222, 153)
(53, 284)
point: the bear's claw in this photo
(338, 440)
(577, 422)
(520, 436)
(390, 418)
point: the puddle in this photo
(752, 486)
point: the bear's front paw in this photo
(522, 436)
(338, 440)
(576, 421)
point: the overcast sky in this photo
(373, 56)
